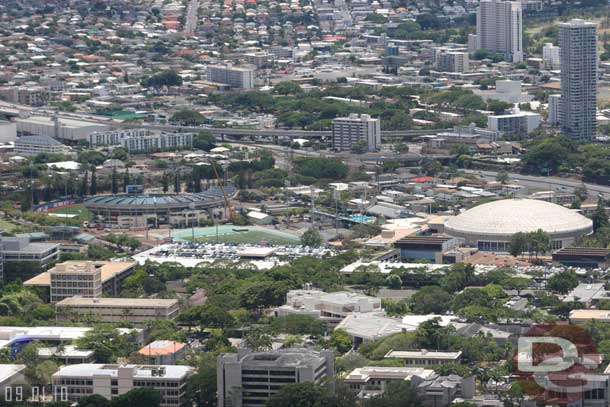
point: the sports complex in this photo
(147, 210)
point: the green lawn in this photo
(249, 237)
(82, 213)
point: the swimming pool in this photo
(362, 218)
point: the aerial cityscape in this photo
(309, 203)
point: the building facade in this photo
(69, 280)
(235, 76)
(578, 52)
(516, 123)
(451, 61)
(133, 310)
(80, 380)
(554, 109)
(34, 145)
(348, 131)
(500, 27)
(249, 379)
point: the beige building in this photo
(134, 310)
(70, 278)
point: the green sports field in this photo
(228, 234)
(79, 210)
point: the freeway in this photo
(547, 183)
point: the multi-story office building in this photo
(348, 131)
(578, 52)
(499, 28)
(329, 307)
(71, 279)
(518, 123)
(249, 379)
(447, 60)
(554, 110)
(133, 310)
(550, 56)
(235, 76)
(76, 381)
(23, 259)
(112, 274)
(34, 145)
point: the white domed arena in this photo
(490, 226)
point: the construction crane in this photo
(222, 189)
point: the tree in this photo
(299, 325)
(126, 180)
(518, 244)
(562, 282)
(394, 281)
(300, 395)
(264, 294)
(94, 400)
(396, 394)
(208, 316)
(287, 88)
(114, 188)
(311, 238)
(201, 387)
(341, 340)
(176, 183)
(187, 118)
(165, 183)
(502, 177)
(84, 184)
(360, 147)
(107, 343)
(431, 300)
(138, 397)
(166, 78)
(93, 189)
(204, 141)
(257, 340)
(600, 217)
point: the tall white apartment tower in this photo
(500, 27)
(578, 54)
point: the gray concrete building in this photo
(500, 28)
(578, 53)
(235, 76)
(249, 379)
(348, 131)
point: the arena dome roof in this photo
(509, 216)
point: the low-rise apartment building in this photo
(133, 310)
(249, 379)
(328, 307)
(110, 381)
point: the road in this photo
(190, 19)
(546, 183)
